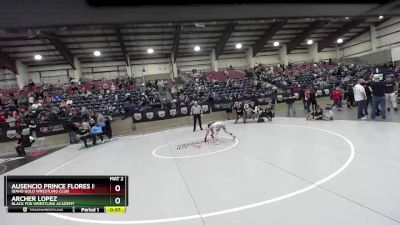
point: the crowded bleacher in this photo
(120, 98)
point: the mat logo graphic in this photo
(161, 114)
(172, 112)
(137, 116)
(150, 115)
(3, 160)
(194, 144)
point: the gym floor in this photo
(288, 171)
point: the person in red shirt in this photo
(2, 117)
(337, 98)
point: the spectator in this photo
(239, 112)
(317, 114)
(360, 97)
(107, 128)
(229, 110)
(349, 96)
(290, 99)
(368, 92)
(302, 96)
(72, 130)
(378, 87)
(312, 99)
(84, 133)
(2, 117)
(337, 98)
(390, 93)
(23, 141)
(269, 112)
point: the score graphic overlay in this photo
(69, 194)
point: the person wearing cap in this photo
(196, 112)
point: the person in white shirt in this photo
(360, 96)
(31, 99)
(218, 125)
(196, 112)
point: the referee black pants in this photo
(197, 117)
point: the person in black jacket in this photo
(268, 112)
(107, 128)
(378, 87)
(390, 90)
(239, 112)
(72, 130)
(316, 115)
(303, 97)
(312, 99)
(368, 92)
(23, 141)
(290, 99)
(349, 96)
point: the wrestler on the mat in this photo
(217, 126)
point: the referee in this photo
(196, 111)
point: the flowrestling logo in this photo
(54, 128)
(195, 144)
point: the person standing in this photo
(337, 98)
(107, 127)
(360, 96)
(229, 110)
(72, 130)
(196, 112)
(290, 98)
(307, 100)
(303, 97)
(378, 97)
(239, 112)
(312, 99)
(390, 93)
(368, 92)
